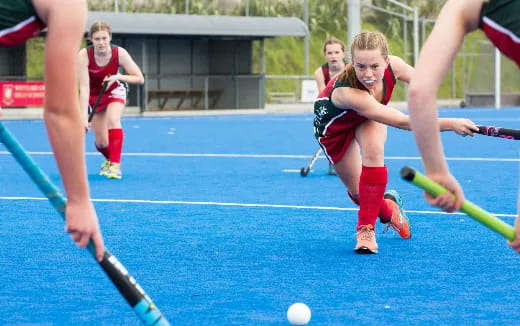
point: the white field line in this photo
(291, 156)
(252, 205)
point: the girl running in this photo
(99, 64)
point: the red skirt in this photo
(339, 133)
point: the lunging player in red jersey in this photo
(98, 64)
(65, 21)
(353, 106)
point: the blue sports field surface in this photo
(215, 222)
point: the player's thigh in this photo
(114, 112)
(349, 167)
(99, 129)
(371, 136)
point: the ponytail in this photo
(349, 75)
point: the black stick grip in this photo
(499, 132)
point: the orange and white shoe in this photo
(366, 240)
(399, 222)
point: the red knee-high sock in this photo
(115, 144)
(385, 212)
(372, 184)
(104, 150)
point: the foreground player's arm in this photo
(66, 24)
(516, 243)
(455, 20)
(84, 85)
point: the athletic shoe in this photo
(115, 171)
(399, 222)
(105, 168)
(331, 170)
(366, 240)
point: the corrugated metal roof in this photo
(198, 25)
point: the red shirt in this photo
(97, 73)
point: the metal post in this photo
(415, 35)
(187, 6)
(306, 38)
(262, 57)
(247, 7)
(235, 87)
(423, 30)
(116, 6)
(453, 84)
(261, 86)
(354, 19)
(464, 77)
(497, 79)
(405, 39)
(144, 67)
(206, 88)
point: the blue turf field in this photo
(213, 219)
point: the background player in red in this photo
(500, 21)
(353, 106)
(99, 63)
(334, 53)
(65, 21)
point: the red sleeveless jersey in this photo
(326, 72)
(334, 128)
(389, 81)
(97, 73)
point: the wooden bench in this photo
(196, 95)
(282, 97)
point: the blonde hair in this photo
(99, 26)
(364, 41)
(333, 40)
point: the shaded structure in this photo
(195, 61)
